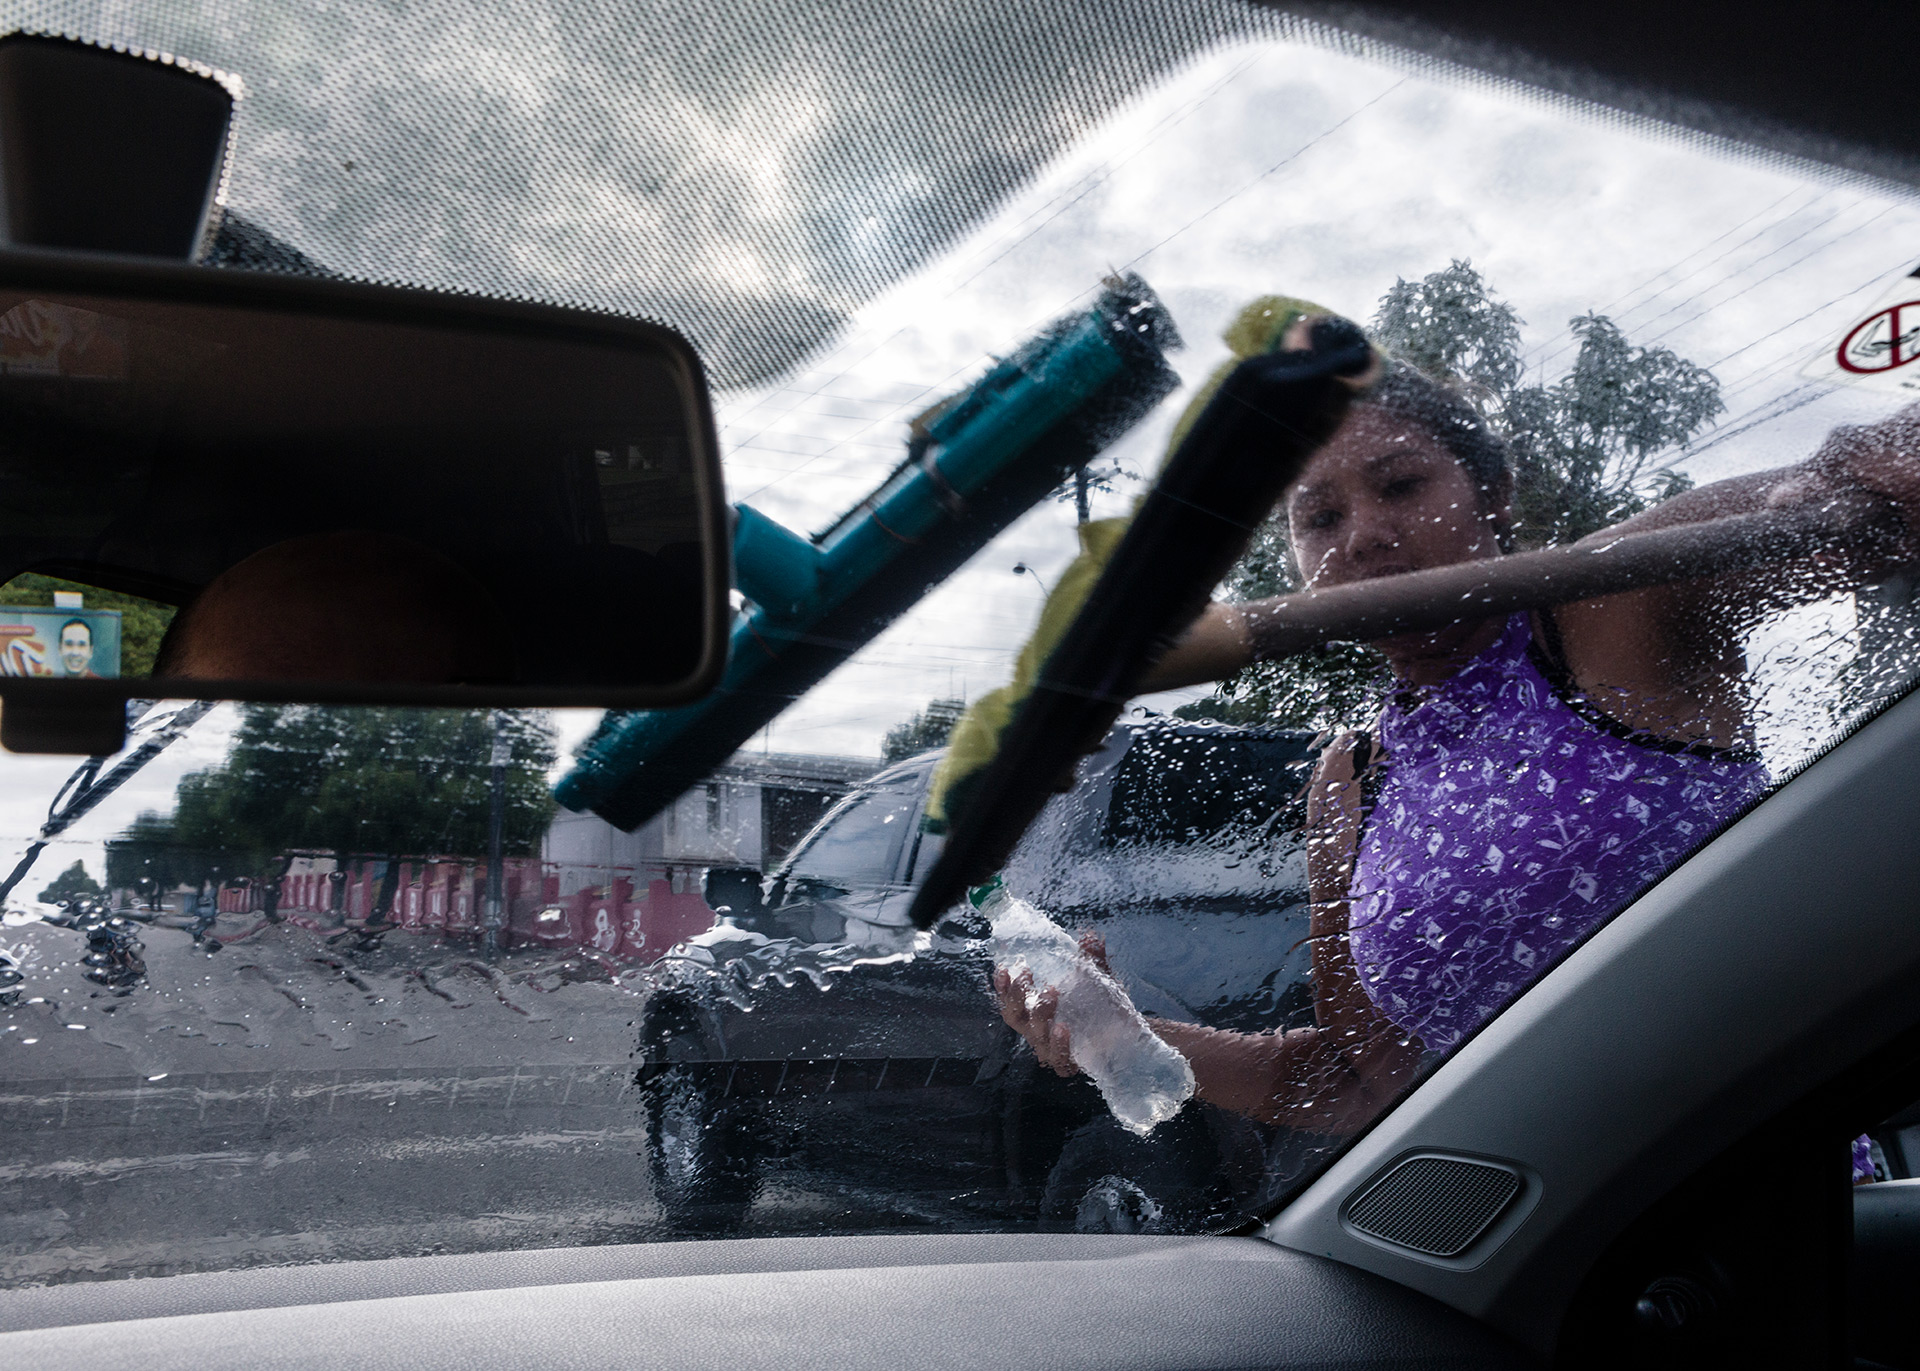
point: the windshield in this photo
(317, 984)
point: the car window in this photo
(859, 843)
(926, 852)
(282, 983)
(1187, 787)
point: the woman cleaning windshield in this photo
(1528, 776)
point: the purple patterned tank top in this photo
(1513, 819)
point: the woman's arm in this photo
(1331, 1078)
(1212, 649)
(1881, 460)
(1311, 1078)
(1646, 645)
(1668, 659)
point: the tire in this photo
(701, 1154)
(1107, 1180)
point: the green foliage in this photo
(924, 731)
(1449, 326)
(149, 861)
(382, 782)
(1584, 449)
(71, 884)
(142, 622)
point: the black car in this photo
(815, 1000)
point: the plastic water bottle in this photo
(1142, 1079)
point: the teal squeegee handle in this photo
(800, 587)
(793, 580)
(1250, 442)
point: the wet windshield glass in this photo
(290, 984)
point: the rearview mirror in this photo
(345, 493)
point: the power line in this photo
(1753, 285)
(1540, 361)
(1290, 158)
(1769, 370)
(1108, 170)
(1870, 282)
(1746, 267)
(1819, 392)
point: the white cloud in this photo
(1273, 166)
(1263, 166)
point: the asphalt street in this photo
(292, 1098)
(287, 1098)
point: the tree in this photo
(924, 731)
(72, 884)
(386, 783)
(1584, 447)
(1585, 455)
(1449, 326)
(148, 860)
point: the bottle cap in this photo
(986, 890)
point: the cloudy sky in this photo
(1252, 163)
(1271, 166)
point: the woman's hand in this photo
(1034, 1017)
(1299, 337)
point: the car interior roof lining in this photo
(1798, 85)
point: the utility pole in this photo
(1080, 503)
(495, 917)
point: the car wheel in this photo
(1114, 1204)
(701, 1154)
(1107, 1180)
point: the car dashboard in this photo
(1045, 1302)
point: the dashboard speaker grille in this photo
(1435, 1205)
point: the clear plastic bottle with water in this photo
(1142, 1079)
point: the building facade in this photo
(593, 886)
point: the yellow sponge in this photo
(1257, 329)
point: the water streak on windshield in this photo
(249, 1013)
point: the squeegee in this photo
(974, 463)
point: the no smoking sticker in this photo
(1879, 347)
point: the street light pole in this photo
(1022, 569)
(495, 916)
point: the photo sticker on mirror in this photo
(45, 338)
(74, 644)
(1879, 347)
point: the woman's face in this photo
(1385, 497)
